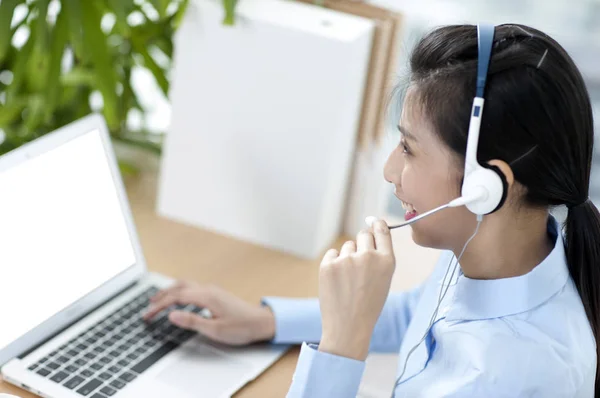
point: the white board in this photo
(264, 122)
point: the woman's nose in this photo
(393, 168)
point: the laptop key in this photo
(154, 357)
(59, 377)
(73, 353)
(53, 365)
(80, 362)
(123, 362)
(91, 340)
(87, 373)
(132, 356)
(108, 391)
(98, 396)
(74, 382)
(105, 376)
(72, 368)
(62, 359)
(117, 384)
(81, 347)
(114, 369)
(128, 377)
(97, 366)
(43, 360)
(105, 359)
(90, 355)
(43, 372)
(53, 353)
(89, 387)
(99, 349)
(115, 353)
(33, 367)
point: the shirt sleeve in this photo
(299, 320)
(323, 375)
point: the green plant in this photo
(73, 49)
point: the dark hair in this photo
(537, 117)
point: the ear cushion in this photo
(497, 170)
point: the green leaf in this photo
(147, 31)
(11, 112)
(157, 71)
(35, 113)
(74, 18)
(42, 29)
(166, 46)
(57, 47)
(7, 9)
(179, 14)
(37, 68)
(128, 169)
(20, 68)
(121, 9)
(106, 79)
(78, 76)
(161, 7)
(229, 6)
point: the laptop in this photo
(74, 284)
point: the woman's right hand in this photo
(233, 321)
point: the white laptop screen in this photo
(62, 233)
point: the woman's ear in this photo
(505, 169)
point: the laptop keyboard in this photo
(107, 356)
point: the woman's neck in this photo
(506, 247)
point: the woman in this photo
(521, 316)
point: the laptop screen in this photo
(62, 233)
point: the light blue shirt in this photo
(526, 336)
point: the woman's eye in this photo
(405, 148)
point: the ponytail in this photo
(583, 259)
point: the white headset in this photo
(484, 187)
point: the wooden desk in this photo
(249, 271)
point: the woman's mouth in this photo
(411, 212)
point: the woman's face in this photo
(427, 174)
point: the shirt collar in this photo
(484, 299)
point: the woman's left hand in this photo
(353, 286)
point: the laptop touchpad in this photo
(202, 368)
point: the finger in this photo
(158, 306)
(348, 248)
(191, 321)
(331, 255)
(365, 241)
(184, 296)
(162, 293)
(383, 238)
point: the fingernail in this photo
(148, 311)
(381, 227)
(176, 317)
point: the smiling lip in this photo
(409, 214)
